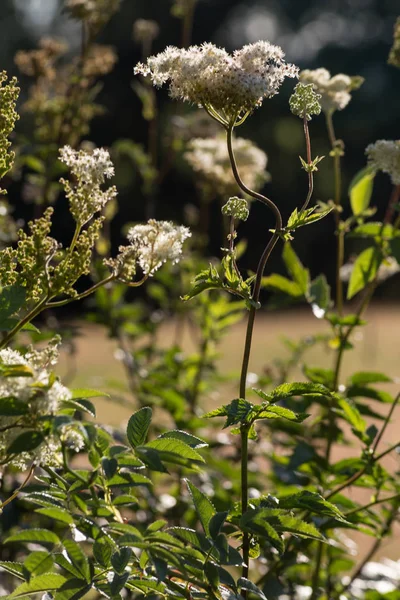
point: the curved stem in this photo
(17, 491)
(80, 296)
(249, 335)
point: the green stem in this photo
(316, 575)
(309, 161)
(371, 504)
(249, 335)
(82, 295)
(337, 199)
(31, 315)
(17, 491)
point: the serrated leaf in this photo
(288, 390)
(318, 375)
(204, 508)
(25, 442)
(300, 275)
(281, 412)
(128, 479)
(38, 563)
(73, 589)
(364, 270)
(187, 438)
(170, 448)
(120, 559)
(352, 414)
(360, 391)
(360, 190)
(48, 582)
(310, 501)
(82, 405)
(102, 551)
(14, 568)
(138, 426)
(37, 536)
(262, 529)
(374, 230)
(216, 523)
(56, 514)
(78, 558)
(251, 587)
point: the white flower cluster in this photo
(334, 91)
(384, 156)
(157, 242)
(90, 169)
(228, 85)
(37, 394)
(210, 159)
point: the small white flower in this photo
(334, 91)
(157, 242)
(231, 85)
(384, 156)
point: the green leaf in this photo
(251, 587)
(48, 582)
(359, 391)
(12, 298)
(187, 438)
(318, 375)
(300, 275)
(120, 559)
(320, 293)
(12, 407)
(306, 217)
(204, 508)
(262, 528)
(364, 270)
(13, 568)
(128, 480)
(287, 390)
(172, 450)
(255, 520)
(310, 501)
(38, 563)
(366, 377)
(374, 230)
(11, 322)
(352, 415)
(278, 283)
(360, 190)
(138, 426)
(102, 551)
(237, 412)
(78, 558)
(82, 405)
(56, 514)
(25, 442)
(73, 589)
(280, 412)
(79, 393)
(42, 537)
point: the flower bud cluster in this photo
(334, 91)
(9, 93)
(384, 155)
(39, 395)
(228, 86)
(96, 13)
(39, 63)
(145, 30)
(209, 158)
(237, 208)
(90, 170)
(304, 102)
(394, 54)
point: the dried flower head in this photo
(90, 170)
(38, 396)
(304, 102)
(40, 62)
(228, 86)
(394, 54)
(157, 242)
(384, 155)
(334, 91)
(96, 13)
(237, 208)
(145, 30)
(9, 92)
(210, 159)
(100, 60)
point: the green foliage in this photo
(364, 270)
(360, 190)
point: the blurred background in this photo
(350, 36)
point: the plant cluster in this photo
(180, 504)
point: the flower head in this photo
(145, 30)
(334, 91)
(228, 86)
(38, 395)
(237, 208)
(384, 156)
(210, 159)
(304, 102)
(157, 242)
(90, 169)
